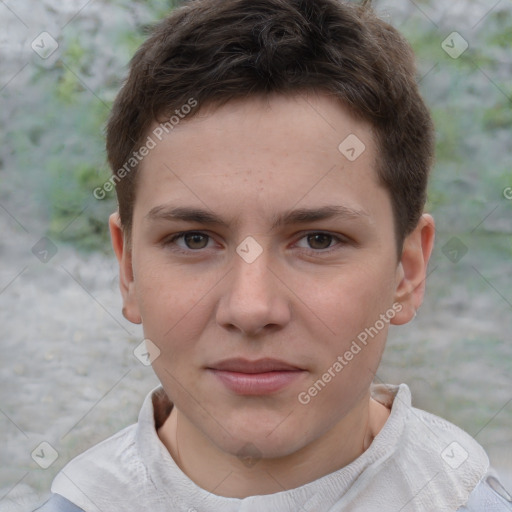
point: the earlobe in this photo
(126, 277)
(412, 269)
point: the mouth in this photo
(240, 365)
(260, 377)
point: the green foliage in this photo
(58, 137)
(58, 134)
(501, 34)
(470, 99)
(74, 158)
(499, 115)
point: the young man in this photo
(271, 161)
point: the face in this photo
(260, 254)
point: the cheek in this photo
(345, 361)
(350, 299)
(167, 301)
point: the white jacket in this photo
(417, 463)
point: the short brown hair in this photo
(218, 50)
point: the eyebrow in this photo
(298, 216)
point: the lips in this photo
(260, 377)
(260, 366)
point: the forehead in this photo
(291, 118)
(260, 152)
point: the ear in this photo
(412, 269)
(126, 280)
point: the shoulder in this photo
(58, 503)
(110, 464)
(422, 435)
(118, 466)
(488, 496)
(107, 453)
(427, 457)
(110, 468)
(455, 451)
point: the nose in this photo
(254, 300)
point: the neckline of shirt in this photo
(323, 492)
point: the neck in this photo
(225, 474)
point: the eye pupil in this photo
(195, 238)
(321, 239)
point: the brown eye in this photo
(320, 240)
(195, 240)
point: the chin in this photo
(253, 441)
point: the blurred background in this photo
(68, 373)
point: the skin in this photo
(303, 300)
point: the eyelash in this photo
(169, 241)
